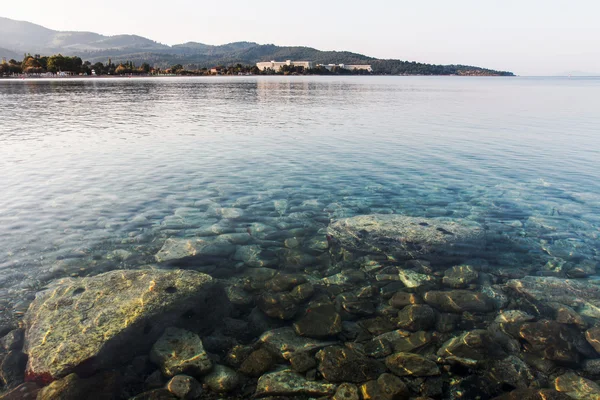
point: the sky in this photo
(528, 37)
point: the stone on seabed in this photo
(577, 387)
(180, 248)
(178, 351)
(222, 379)
(92, 323)
(406, 237)
(184, 387)
(583, 296)
(341, 364)
(289, 383)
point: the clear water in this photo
(97, 173)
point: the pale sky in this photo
(528, 37)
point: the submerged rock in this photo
(386, 387)
(341, 364)
(582, 296)
(102, 386)
(290, 383)
(319, 321)
(460, 276)
(406, 237)
(87, 324)
(475, 345)
(552, 340)
(222, 379)
(346, 391)
(257, 363)
(419, 317)
(459, 301)
(25, 391)
(533, 394)
(184, 387)
(178, 351)
(286, 342)
(176, 249)
(409, 364)
(577, 387)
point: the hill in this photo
(19, 37)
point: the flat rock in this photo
(25, 391)
(319, 321)
(103, 386)
(577, 387)
(592, 335)
(418, 317)
(552, 340)
(341, 364)
(404, 341)
(460, 276)
(181, 248)
(86, 324)
(412, 279)
(474, 345)
(409, 364)
(583, 296)
(179, 351)
(533, 394)
(290, 383)
(406, 237)
(459, 301)
(286, 342)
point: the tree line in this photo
(59, 64)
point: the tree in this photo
(176, 68)
(145, 68)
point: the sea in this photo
(97, 174)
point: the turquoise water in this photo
(97, 173)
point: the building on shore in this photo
(350, 67)
(276, 65)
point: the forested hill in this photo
(19, 37)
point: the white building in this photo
(350, 67)
(276, 65)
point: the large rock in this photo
(341, 364)
(86, 324)
(582, 296)
(289, 383)
(407, 237)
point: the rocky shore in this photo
(376, 306)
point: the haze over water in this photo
(94, 166)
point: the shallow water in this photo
(90, 166)
(98, 173)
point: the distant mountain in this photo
(19, 37)
(24, 36)
(5, 53)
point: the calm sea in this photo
(97, 173)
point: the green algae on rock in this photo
(405, 237)
(86, 324)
